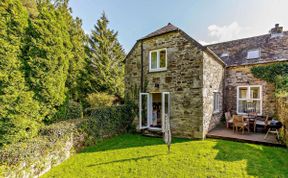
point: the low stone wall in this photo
(282, 115)
(35, 157)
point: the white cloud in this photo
(226, 33)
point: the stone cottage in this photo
(169, 74)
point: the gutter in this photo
(142, 68)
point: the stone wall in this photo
(282, 115)
(183, 79)
(242, 76)
(213, 81)
(37, 156)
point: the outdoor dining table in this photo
(250, 120)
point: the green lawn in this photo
(139, 156)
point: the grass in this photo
(138, 156)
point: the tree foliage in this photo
(106, 59)
(18, 110)
(47, 55)
(45, 72)
(274, 73)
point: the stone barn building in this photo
(169, 74)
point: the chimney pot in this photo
(276, 31)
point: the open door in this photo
(143, 110)
(165, 108)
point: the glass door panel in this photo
(143, 110)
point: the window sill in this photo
(157, 70)
(216, 112)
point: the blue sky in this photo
(207, 21)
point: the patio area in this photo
(221, 132)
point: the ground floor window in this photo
(249, 99)
(216, 103)
(153, 108)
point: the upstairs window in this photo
(253, 54)
(158, 60)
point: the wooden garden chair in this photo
(239, 122)
(228, 118)
(263, 123)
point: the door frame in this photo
(140, 110)
(149, 110)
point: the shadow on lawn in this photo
(128, 141)
(124, 160)
(263, 161)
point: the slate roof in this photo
(166, 29)
(271, 49)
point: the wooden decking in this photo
(222, 132)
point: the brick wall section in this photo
(240, 76)
(282, 115)
(213, 79)
(183, 79)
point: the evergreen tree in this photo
(31, 7)
(106, 59)
(47, 53)
(18, 111)
(78, 61)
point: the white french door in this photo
(146, 109)
(165, 108)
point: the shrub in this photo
(69, 110)
(276, 74)
(107, 122)
(31, 150)
(100, 99)
(282, 85)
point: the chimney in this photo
(276, 31)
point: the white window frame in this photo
(248, 97)
(216, 102)
(157, 69)
(254, 51)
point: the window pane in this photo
(154, 60)
(255, 92)
(166, 103)
(216, 101)
(253, 106)
(243, 92)
(242, 106)
(253, 54)
(163, 59)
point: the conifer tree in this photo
(78, 61)
(31, 7)
(18, 111)
(47, 57)
(106, 57)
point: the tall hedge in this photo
(18, 110)
(47, 57)
(107, 121)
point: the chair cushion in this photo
(230, 121)
(262, 123)
(240, 124)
